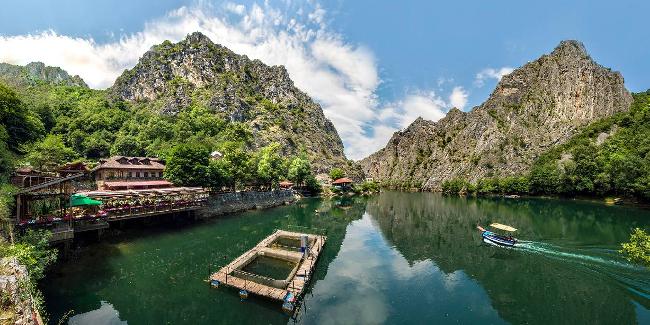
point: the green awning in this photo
(80, 199)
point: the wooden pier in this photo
(276, 289)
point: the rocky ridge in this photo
(195, 71)
(535, 107)
(37, 73)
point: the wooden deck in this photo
(296, 284)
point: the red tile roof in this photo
(122, 162)
(343, 180)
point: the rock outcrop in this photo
(531, 110)
(15, 296)
(37, 73)
(172, 77)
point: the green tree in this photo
(455, 186)
(188, 165)
(637, 250)
(299, 169)
(219, 174)
(50, 153)
(545, 178)
(127, 145)
(6, 159)
(97, 145)
(239, 161)
(19, 124)
(336, 173)
(487, 186)
(312, 185)
(270, 166)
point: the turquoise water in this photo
(269, 267)
(395, 258)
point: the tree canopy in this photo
(637, 250)
(336, 173)
(188, 165)
(50, 153)
(299, 170)
(271, 167)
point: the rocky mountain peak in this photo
(570, 48)
(196, 72)
(198, 38)
(537, 106)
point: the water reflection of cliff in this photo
(524, 287)
(331, 216)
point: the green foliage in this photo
(241, 163)
(6, 160)
(312, 185)
(299, 170)
(33, 251)
(513, 185)
(336, 173)
(637, 250)
(219, 174)
(271, 166)
(367, 187)
(6, 200)
(618, 166)
(18, 124)
(50, 153)
(188, 165)
(494, 185)
(455, 186)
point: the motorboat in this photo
(496, 239)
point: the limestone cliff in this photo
(532, 109)
(171, 77)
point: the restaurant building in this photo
(123, 173)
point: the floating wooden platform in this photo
(277, 289)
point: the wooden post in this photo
(19, 207)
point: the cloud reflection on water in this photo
(370, 282)
(105, 314)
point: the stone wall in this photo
(241, 201)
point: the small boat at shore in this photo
(495, 239)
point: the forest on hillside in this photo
(45, 126)
(608, 157)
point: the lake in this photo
(394, 258)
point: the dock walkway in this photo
(233, 276)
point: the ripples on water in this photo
(396, 258)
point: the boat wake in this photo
(549, 250)
(607, 262)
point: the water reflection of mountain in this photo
(524, 287)
(330, 216)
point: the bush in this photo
(637, 250)
(455, 186)
(336, 173)
(312, 185)
(367, 187)
(33, 251)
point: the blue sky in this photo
(373, 65)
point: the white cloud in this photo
(341, 76)
(235, 8)
(491, 73)
(458, 97)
